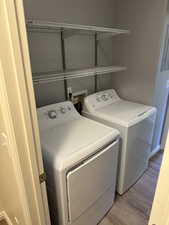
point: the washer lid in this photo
(124, 112)
(72, 141)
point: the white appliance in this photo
(135, 123)
(80, 159)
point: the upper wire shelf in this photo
(46, 25)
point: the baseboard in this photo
(154, 151)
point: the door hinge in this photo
(42, 177)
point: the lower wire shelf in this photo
(49, 77)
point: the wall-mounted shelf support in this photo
(96, 60)
(64, 61)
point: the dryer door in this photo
(89, 181)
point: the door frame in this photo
(22, 107)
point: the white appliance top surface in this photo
(124, 110)
(116, 110)
(70, 133)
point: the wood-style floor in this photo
(133, 208)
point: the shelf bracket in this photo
(64, 61)
(96, 59)
(70, 33)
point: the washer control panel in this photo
(100, 99)
(54, 114)
(58, 111)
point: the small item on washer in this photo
(70, 96)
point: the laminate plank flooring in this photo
(134, 207)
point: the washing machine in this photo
(80, 159)
(135, 123)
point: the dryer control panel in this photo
(100, 99)
(51, 115)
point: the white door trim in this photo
(154, 151)
(22, 33)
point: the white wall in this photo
(45, 48)
(140, 50)
(161, 94)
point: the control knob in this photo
(69, 108)
(52, 114)
(63, 110)
(104, 98)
